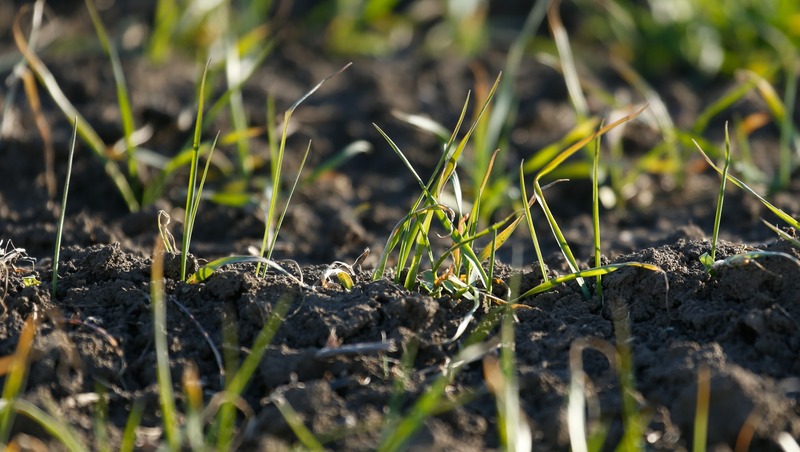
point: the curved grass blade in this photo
(207, 270)
(782, 234)
(602, 270)
(778, 212)
(553, 164)
(58, 430)
(84, 129)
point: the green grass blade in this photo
(202, 183)
(289, 197)
(278, 163)
(782, 234)
(596, 216)
(61, 432)
(580, 131)
(571, 78)
(701, 409)
(84, 129)
(123, 98)
(722, 104)
(128, 442)
(778, 212)
(307, 439)
(205, 272)
(602, 270)
(60, 229)
(15, 379)
(529, 220)
(192, 195)
(720, 199)
(163, 374)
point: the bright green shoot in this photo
(596, 216)
(538, 193)
(123, 99)
(60, 229)
(707, 259)
(271, 230)
(193, 191)
(597, 271)
(414, 243)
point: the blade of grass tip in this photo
(701, 409)
(782, 234)
(163, 374)
(15, 380)
(84, 129)
(778, 212)
(529, 220)
(596, 216)
(60, 229)
(59, 431)
(123, 98)
(278, 164)
(567, 61)
(191, 194)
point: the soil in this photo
(338, 355)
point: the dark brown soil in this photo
(741, 323)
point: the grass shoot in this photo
(60, 228)
(707, 259)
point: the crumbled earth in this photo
(348, 360)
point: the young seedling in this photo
(60, 229)
(709, 260)
(276, 154)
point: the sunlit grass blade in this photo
(241, 378)
(529, 220)
(163, 375)
(782, 234)
(277, 165)
(596, 216)
(84, 129)
(123, 99)
(192, 389)
(723, 103)
(567, 61)
(306, 437)
(548, 153)
(192, 197)
(205, 272)
(708, 260)
(15, 380)
(778, 212)
(60, 228)
(59, 430)
(702, 409)
(128, 441)
(602, 270)
(501, 379)
(289, 198)
(32, 93)
(553, 164)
